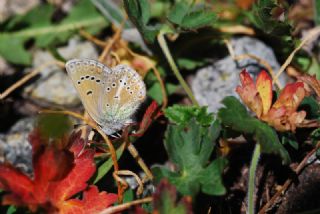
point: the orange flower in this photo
(282, 115)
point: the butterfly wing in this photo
(88, 77)
(124, 92)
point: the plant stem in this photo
(252, 176)
(166, 51)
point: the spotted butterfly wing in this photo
(110, 96)
(88, 77)
(124, 92)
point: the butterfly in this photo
(110, 95)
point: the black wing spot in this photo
(82, 78)
(124, 83)
(87, 77)
(108, 89)
(116, 97)
(98, 81)
(131, 92)
(79, 82)
(108, 105)
(128, 88)
(89, 92)
(113, 85)
(92, 78)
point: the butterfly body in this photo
(110, 95)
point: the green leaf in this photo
(317, 12)
(111, 12)
(189, 147)
(198, 19)
(178, 12)
(311, 106)
(262, 17)
(289, 138)
(54, 125)
(189, 64)
(236, 117)
(139, 13)
(181, 115)
(12, 49)
(11, 210)
(187, 17)
(104, 168)
(44, 32)
(155, 91)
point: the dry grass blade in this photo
(312, 34)
(119, 173)
(122, 207)
(29, 76)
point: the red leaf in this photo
(50, 165)
(283, 115)
(249, 93)
(75, 181)
(58, 175)
(92, 202)
(291, 97)
(20, 186)
(151, 114)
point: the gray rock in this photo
(12, 7)
(15, 147)
(214, 82)
(54, 86)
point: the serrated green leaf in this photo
(178, 12)
(236, 117)
(210, 183)
(139, 13)
(182, 114)
(54, 125)
(198, 19)
(187, 17)
(189, 147)
(44, 32)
